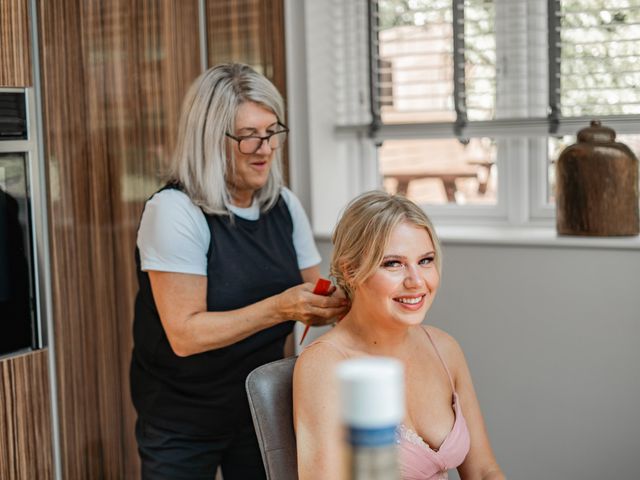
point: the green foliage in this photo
(397, 13)
(599, 57)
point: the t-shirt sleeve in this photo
(303, 242)
(173, 235)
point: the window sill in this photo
(529, 236)
(519, 236)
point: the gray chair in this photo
(270, 393)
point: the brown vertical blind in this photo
(113, 77)
(248, 31)
(251, 32)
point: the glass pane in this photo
(16, 292)
(600, 59)
(416, 60)
(13, 117)
(558, 144)
(441, 171)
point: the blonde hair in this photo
(200, 161)
(362, 234)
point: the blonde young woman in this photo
(226, 260)
(388, 261)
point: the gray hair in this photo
(363, 231)
(201, 158)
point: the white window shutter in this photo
(521, 46)
(351, 63)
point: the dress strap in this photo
(444, 364)
(332, 345)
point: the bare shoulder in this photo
(448, 346)
(318, 360)
(443, 339)
(327, 347)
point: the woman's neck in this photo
(242, 199)
(373, 334)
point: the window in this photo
(472, 100)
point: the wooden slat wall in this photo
(15, 55)
(113, 77)
(25, 403)
(25, 417)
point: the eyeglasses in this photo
(252, 143)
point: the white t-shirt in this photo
(174, 235)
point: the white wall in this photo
(551, 337)
(340, 165)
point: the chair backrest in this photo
(270, 393)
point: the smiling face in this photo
(404, 284)
(251, 171)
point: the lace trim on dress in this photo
(410, 436)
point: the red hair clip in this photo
(322, 288)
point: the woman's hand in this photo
(301, 304)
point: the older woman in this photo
(387, 259)
(226, 259)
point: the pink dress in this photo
(418, 461)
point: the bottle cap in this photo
(371, 392)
